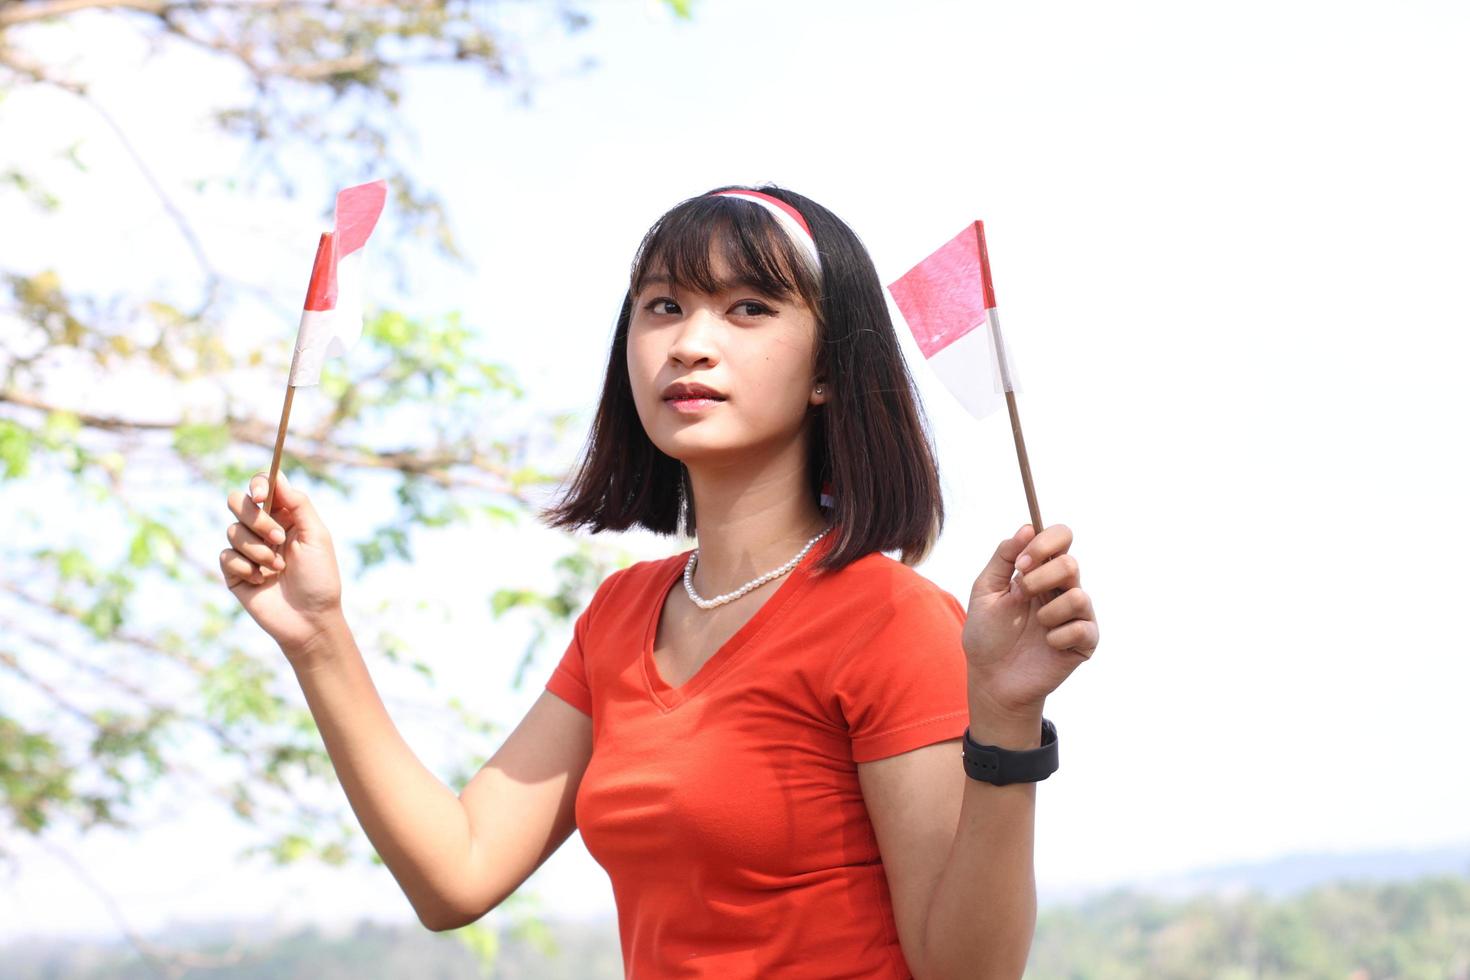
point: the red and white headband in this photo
(787, 217)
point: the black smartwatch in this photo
(992, 764)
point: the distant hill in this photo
(1286, 876)
(368, 951)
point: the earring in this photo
(819, 389)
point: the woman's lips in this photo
(697, 404)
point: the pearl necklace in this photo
(754, 583)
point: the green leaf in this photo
(333, 382)
(390, 539)
(72, 564)
(112, 462)
(216, 622)
(500, 514)
(34, 777)
(483, 942)
(234, 475)
(530, 475)
(239, 689)
(304, 723)
(15, 449)
(104, 617)
(504, 600)
(60, 428)
(152, 543)
(195, 439)
(290, 848)
(389, 329)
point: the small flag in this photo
(331, 321)
(948, 300)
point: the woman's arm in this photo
(982, 917)
(455, 857)
(958, 855)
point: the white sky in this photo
(1229, 247)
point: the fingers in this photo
(290, 508)
(1062, 572)
(251, 547)
(237, 568)
(1078, 636)
(248, 510)
(1071, 621)
(260, 487)
(1070, 605)
(252, 556)
(996, 576)
(1053, 540)
(288, 498)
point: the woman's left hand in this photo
(1021, 643)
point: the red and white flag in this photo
(948, 302)
(331, 321)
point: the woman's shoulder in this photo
(877, 582)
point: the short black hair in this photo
(869, 441)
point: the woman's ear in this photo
(820, 391)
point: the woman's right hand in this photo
(291, 588)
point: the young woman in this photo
(759, 739)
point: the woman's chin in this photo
(691, 450)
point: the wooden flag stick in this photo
(1026, 482)
(1031, 503)
(270, 494)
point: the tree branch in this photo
(9, 661)
(22, 13)
(438, 467)
(47, 643)
(198, 666)
(33, 10)
(211, 275)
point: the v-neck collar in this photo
(668, 698)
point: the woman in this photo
(758, 739)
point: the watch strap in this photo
(993, 764)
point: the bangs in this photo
(755, 250)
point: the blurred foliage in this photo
(526, 950)
(1416, 930)
(104, 705)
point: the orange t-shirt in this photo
(727, 811)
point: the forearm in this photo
(982, 916)
(416, 823)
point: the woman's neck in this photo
(751, 519)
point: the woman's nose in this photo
(695, 340)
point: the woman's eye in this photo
(750, 307)
(662, 305)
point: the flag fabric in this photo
(331, 320)
(948, 302)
